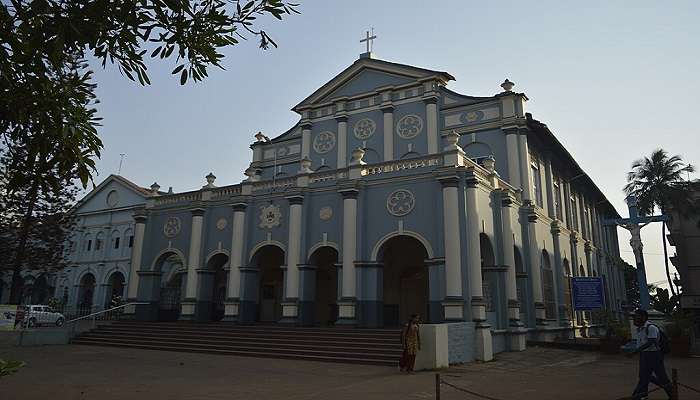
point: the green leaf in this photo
(178, 69)
(183, 77)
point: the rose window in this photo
(364, 128)
(324, 142)
(400, 202)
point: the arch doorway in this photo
(171, 268)
(85, 293)
(326, 307)
(405, 280)
(489, 280)
(213, 287)
(115, 290)
(268, 261)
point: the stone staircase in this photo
(344, 345)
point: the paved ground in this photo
(75, 372)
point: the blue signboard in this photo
(587, 293)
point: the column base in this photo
(347, 313)
(453, 310)
(517, 339)
(483, 342)
(188, 310)
(290, 313)
(231, 311)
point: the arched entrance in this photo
(405, 279)
(268, 261)
(40, 291)
(114, 292)
(170, 293)
(489, 280)
(85, 293)
(326, 307)
(213, 287)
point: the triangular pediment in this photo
(366, 75)
(127, 194)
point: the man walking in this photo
(651, 358)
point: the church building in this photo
(391, 196)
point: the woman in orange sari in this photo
(410, 342)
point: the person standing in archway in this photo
(410, 342)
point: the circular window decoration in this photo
(221, 224)
(282, 151)
(400, 202)
(172, 227)
(324, 142)
(113, 198)
(364, 128)
(409, 126)
(325, 213)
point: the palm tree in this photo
(658, 183)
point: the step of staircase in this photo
(344, 345)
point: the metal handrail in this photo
(104, 311)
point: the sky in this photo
(613, 80)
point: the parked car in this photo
(37, 315)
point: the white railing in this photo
(111, 314)
(402, 165)
(177, 198)
(275, 184)
(226, 192)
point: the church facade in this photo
(391, 196)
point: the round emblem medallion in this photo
(282, 151)
(221, 224)
(400, 202)
(113, 198)
(409, 126)
(324, 142)
(270, 216)
(325, 213)
(364, 128)
(172, 227)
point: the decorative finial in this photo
(490, 164)
(210, 181)
(507, 85)
(305, 166)
(170, 190)
(155, 187)
(357, 155)
(452, 140)
(259, 137)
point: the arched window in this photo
(99, 241)
(115, 241)
(548, 287)
(128, 239)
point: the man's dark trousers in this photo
(651, 369)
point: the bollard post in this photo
(674, 382)
(437, 386)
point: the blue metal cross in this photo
(632, 224)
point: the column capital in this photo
(306, 124)
(387, 107)
(555, 227)
(239, 206)
(448, 180)
(295, 199)
(508, 198)
(510, 129)
(349, 193)
(197, 211)
(140, 217)
(431, 99)
(341, 116)
(472, 181)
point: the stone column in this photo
(189, 304)
(290, 307)
(516, 331)
(559, 273)
(524, 157)
(453, 305)
(132, 288)
(483, 345)
(306, 137)
(342, 139)
(549, 192)
(534, 257)
(431, 116)
(347, 303)
(512, 151)
(388, 110)
(233, 287)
